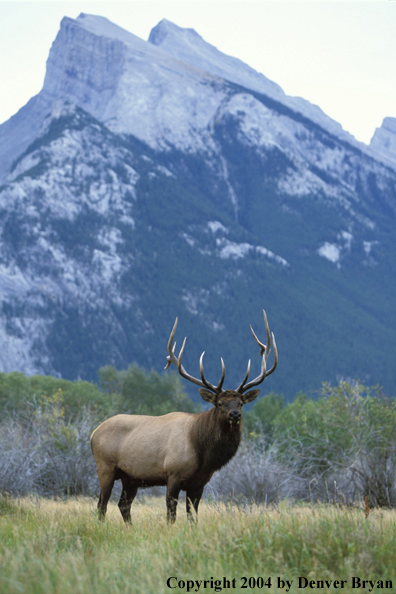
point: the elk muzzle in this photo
(234, 416)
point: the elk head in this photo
(228, 403)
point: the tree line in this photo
(339, 447)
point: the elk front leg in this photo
(172, 497)
(193, 498)
(127, 496)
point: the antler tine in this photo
(245, 379)
(171, 358)
(217, 388)
(275, 357)
(179, 365)
(221, 382)
(265, 350)
(171, 350)
(260, 378)
(268, 348)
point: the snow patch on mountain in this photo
(188, 239)
(271, 256)
(347, 238)
(334, 251)
(231, 249)
(216, 226)
(368, 245)
(330, 251)
(195, 300)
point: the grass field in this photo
(60, 547)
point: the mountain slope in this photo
(189, 47)
(383, 142)
(140, 185)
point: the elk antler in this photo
(177, 361)
(265, 350)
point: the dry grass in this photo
(60, 547)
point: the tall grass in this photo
(60, 547)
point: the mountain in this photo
(149, 180)
(383, 142)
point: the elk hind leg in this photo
(172, 498)
(106, 481)
(193, 497)
(127, 496)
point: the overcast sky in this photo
(339, 55)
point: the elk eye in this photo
(219, 404)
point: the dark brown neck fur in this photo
(214, 439)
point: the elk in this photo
(178, 450)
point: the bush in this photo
(256, 474)
(17, 391)
(46, 453)
(344, 443)
(261, 417)
(145, 393)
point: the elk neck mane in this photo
(214, 442)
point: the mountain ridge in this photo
(169, 49)
(148, 188)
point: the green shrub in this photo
(145, 393)
(348, 436)
(18, 390)
(262, 415)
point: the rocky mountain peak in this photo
(166, 28)
(186, 45)
(84, 66)
(136, 87)
(384, 140)
(189, 47)
(101, 26)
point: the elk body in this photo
(179, 450)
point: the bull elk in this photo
(179, 450)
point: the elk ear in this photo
(250, 396)
(207, 396)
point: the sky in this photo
(340, 55)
